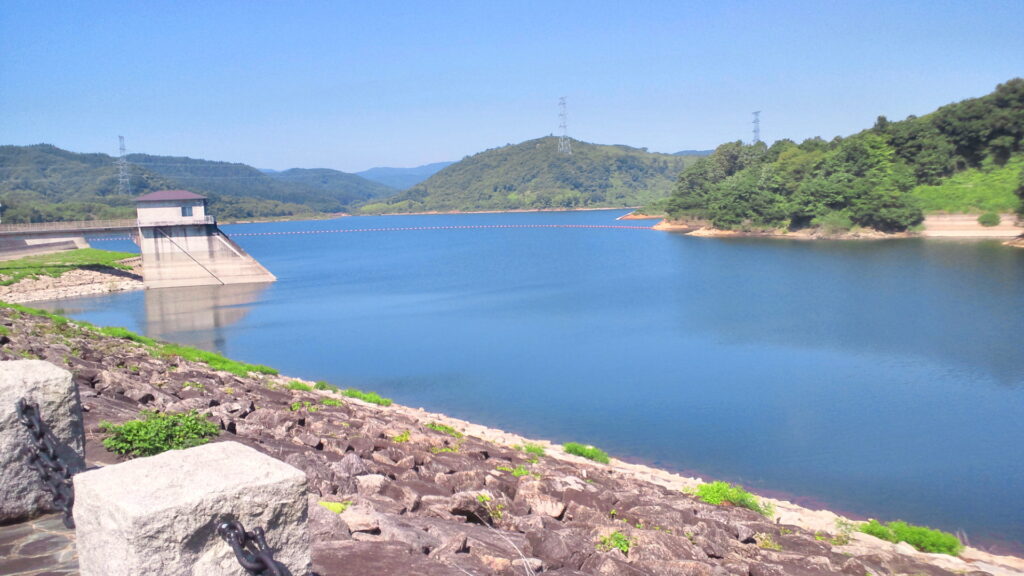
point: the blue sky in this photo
(351, 85)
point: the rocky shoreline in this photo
(421, 498)
(89, 281)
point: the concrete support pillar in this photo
(38, 382)
(159, 515)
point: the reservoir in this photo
(877, 378)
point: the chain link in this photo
(42, 455)
(250, 548)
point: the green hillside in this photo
(965, 156)
(402, 178)
(44, 183)
(534, 175)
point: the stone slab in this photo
(42, 383)
(159, 515)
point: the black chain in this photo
(42, 455)
(250, 548)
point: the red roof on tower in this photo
(165, 195)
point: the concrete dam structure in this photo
(181, 244)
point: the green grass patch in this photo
(213, 360)
(158, 432)
(920, 537)
(535, 449)
(336, 507)
(12, 271)
(444, 429)
(59, 320)
(517, 471)
(401, 438)
(303, 405)
(614, 541)
(371, 397)
(321, 385)
(125, 334)
(719, 493)
(296, 385)
(986, 189)
(588, 452)
(330, 402)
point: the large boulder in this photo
(142, 516)
(38, 382)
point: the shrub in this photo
(989, 219)
(588, 452)
(833, 222)
(296, 385)
(155, 433)
(444, 429)
(371, 397)
(336, 507)
(718, 493)
(615, 540)
(920, 537)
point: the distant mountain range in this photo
(693, 153)
(45, 183)
(535, 175)
(402, 178)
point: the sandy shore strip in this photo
(81, 282)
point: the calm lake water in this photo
(881, 379)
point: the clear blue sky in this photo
(351, 85)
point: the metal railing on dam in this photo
(96, 225)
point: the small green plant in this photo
(321, 385)
(5, 331)
(194, 385)
(371, 397)
(330, 402)
(158, 432)
(614, 541)
(920, 537)
(613, 513)
(989, 219)
(303, 405)
(719, 493)
(535, 449)
(336, 507)
(444, 449)
(495, 511)
(588, 452)
(765, 540)
(229, 390)
(517, 471)
(444, 429)
(296, 385)
(401, 438)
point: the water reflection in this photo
(198, 315)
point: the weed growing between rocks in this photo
(588, 452)
(371, 397)
(535, 449)
(614, 541)
(444, 429)
(330, 402)
(155, 433)
(301, 386)
(719, 493)
(920, 537)
(401, 438)
(336, 507)
(766, 541)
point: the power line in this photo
(124, 184)
(564, 145)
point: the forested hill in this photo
(534, 175)
(962, 157)
(45, 183)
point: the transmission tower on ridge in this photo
(564, 146)
(124, 185)
(757, 127)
